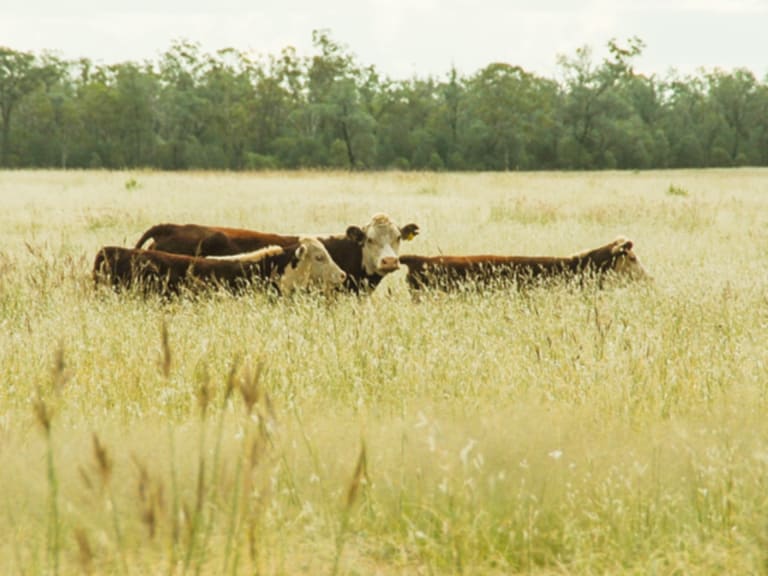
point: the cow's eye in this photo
(320, 258)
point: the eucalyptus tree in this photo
(21, 73)
(758, 134)
(733, 95)
(227, 94)
(593, 102)
(645, 144)
(343, 123)
(693, 124)
(180, 116)
(100, 144)
(136, 89)
(277, 93)
(500, 104)
(407, 128)
(45, 121)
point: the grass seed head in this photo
(166, 359)
(150, 498)
(86, 478)
(204, 397)
(85, 551)
(231, 379)
(250, 387)
(60, 375)
(360, 474)
(43, 414)
(103, 461)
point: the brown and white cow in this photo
(365, 253)
(306, 264)
(487, 271)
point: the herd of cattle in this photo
(191, 255)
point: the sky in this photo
(404, 38)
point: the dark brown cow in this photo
(303, 265)
(486, 271)
(197, 240)
(366, 253)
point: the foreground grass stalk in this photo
(175, 528)
(44, 418)
(215, 466)
(104, 465)
(232, 525)
(249, 390)
(44, 415)
(203, 399)
(353, 491)
(165, 363)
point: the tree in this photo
(694, 127)
(591, 102)
(758, 134)
(275, 96)
(20, 75)
(227, 94)
(99, 111)
(405, 133)
(44, 118)
(180, 105)
(733, 97)
(229, 110)
(135, 103)
(334, 99)
(501, 104)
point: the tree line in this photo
(233, 111)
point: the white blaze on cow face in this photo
(380, 240)
(311, 266)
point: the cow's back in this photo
(197, 240)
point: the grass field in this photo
(553, 431)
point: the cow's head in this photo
(311, 267)
(380, 240)
(625, 262)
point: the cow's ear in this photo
(409, 231)
(298, 255)
(356, 234)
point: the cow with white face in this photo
(305, 264)
(369, 253)
(366, 254)
(380, 239)
(310, 268)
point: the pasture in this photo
(555, 430)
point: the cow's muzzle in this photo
(388, 264)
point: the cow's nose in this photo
(389, 264)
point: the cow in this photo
(366, 254)
(305, 264)
(449, 273)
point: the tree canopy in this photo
(235, 111)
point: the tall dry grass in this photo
(550, 431)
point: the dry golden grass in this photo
(552, 431)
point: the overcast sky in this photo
(403, 38)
